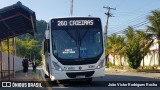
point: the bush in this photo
(38, 62)
(109, 64)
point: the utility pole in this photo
(71, 8)
(108, 14)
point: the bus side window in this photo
(45, 46)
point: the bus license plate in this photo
(80, 76)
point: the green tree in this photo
(137, 46)
(5, 46)
(154, 19)
(20, 48)
(31, 46)
(28, 47)
(41, 27)
(115, 46)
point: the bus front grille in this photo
(74, 74)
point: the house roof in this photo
(15, 20)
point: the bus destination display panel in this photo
(75, 22)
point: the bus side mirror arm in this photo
(47, 40)
(47, 34)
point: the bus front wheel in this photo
(46, 76)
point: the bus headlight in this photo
(101, 64)
(57, 67)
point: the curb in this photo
(44, 79)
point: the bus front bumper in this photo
(62, 75)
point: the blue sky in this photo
(128, 12)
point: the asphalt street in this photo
(117, 81)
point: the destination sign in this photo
(74, 23)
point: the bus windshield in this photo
(74, 43)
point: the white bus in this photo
(73, 48)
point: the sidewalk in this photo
(20, 76)
(144, 73)
(117, 70)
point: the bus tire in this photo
(48, 72)
(46, 76)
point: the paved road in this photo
(102, 83)
(119, 78)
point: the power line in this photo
(132, 20)
(128, 21)
(134, 26)
(141, 23)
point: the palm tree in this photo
(137, 46)
(154, 19)
(115, 46)
(110, 50)
(122, 48)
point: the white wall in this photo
(151, 59)
(17, 62)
